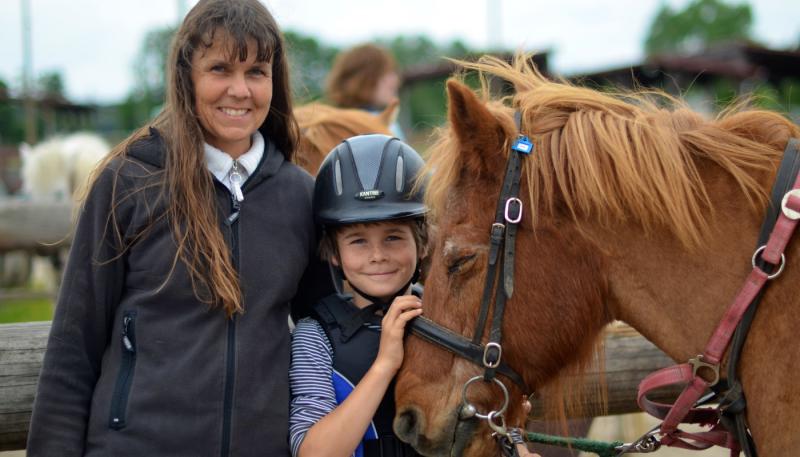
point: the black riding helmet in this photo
(368, 178)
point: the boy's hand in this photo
(402, 310)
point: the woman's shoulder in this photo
(148, 149)
(126, 173)
(298, 173)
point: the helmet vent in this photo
(337, 176)
(368, 166)
(399, 175)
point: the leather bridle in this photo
(500, 281)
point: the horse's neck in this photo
(676, 298)
(673, 296)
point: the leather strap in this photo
(461, 346)
(733, 403)
(502, 243)
(683, 410)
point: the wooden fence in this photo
(45, 227)
(629, 357)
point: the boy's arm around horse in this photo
(339, 433)
(90, 289)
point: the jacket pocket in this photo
(122, 389)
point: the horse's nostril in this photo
(406, 425)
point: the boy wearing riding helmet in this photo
(344, 359)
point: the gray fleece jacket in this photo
(135, 364)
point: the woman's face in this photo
(386, 89)
(232, 98)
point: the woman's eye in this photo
(358, 241)
(459, 262)
(217, 68)
(258, 72)
(393, 238)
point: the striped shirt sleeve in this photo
(310, 380)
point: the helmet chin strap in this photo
(337, 275)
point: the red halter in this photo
(684, 410)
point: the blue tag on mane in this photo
(523, 145)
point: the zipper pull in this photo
(126, 341)
(236, 182)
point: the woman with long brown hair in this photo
(170, 335)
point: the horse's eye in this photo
(459, 262)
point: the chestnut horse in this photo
(632, 211)
(322, 127)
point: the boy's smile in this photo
(378, 259)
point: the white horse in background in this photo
(55, 170)
(59, 168)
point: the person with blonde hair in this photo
(196, 239)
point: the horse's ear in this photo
(389, 115)
(479, 133)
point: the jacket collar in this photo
(150, 150)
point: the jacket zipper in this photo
(231, 348)
(119, 401)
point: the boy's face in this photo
(379, 258)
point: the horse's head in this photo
(544, 329)
(322, 127)
(45, 171)
(59, 168)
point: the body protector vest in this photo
(355, 347)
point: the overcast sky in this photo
(93, 43)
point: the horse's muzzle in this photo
(410, 427)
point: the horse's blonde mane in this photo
(612, 156)
(322, 127)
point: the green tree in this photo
(701, 23)
(51, 84)
(150, 63)
(309, 63)
(149, 68)
(425, 102)
(11, 129)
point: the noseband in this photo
(500, 280)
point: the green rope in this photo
(600, 448)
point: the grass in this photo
(25, 310)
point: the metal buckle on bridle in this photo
(497, 230)
(697, 363)
(495, 362)
(509, 219)
(789, 212)
(780, 268)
